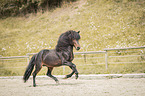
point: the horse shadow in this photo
(60, 84)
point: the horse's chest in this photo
(68, 56)
(71, 57)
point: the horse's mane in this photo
(65, 40)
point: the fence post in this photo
(63, 70)
(84, 58)
(106, 60)
(27, 58)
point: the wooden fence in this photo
(107, 57)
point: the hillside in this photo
(103, 24)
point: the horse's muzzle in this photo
(76, 44)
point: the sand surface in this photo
(72, 87)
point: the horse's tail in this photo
(29, 69)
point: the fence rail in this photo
(90, 52)
(14, 57)
(109, 49)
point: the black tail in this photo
(29, 69)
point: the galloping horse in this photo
(61, 55)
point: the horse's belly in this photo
(52, 60)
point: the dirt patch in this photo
(72, 87)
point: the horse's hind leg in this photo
(50, 75)
(37, 69)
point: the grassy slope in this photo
(103, 24)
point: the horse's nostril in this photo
(78, 48)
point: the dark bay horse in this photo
(61, 55)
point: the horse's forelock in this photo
(71, 35)
(76, 35)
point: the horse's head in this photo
(69, 38)
(74, 39)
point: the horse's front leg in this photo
(73, 67)
(69, 75)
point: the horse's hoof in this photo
(77, 76)
(66, 77)
(34, 85)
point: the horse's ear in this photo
(78, 31)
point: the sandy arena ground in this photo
(72, 87)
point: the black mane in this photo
(65, 40)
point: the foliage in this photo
(23, 7)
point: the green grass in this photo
(103, 24)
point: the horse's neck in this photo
(64, 48)
(68, 49)
(66, 53)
